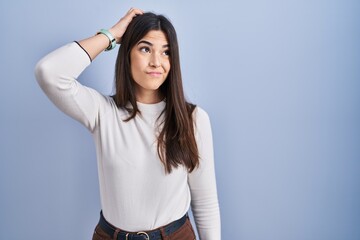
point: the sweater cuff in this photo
(84, 50)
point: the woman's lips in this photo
(154, 74)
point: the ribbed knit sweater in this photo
(136, 193)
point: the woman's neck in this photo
(149, 97)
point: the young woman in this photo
(154, 149)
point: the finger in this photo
(129, 16)
(135, 11)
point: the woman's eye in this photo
(167, 53)
(145, 49)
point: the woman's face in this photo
(150, 65)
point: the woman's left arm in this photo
(202, 182)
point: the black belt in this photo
(145, 235)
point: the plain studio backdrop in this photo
(279, 79)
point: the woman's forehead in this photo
(155, 37)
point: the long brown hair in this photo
(176, 141)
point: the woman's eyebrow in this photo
(150, 44)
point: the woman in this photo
(154, 149)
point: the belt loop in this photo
(115, 234)
(163, 235)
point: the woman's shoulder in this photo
(200, 115)
(108, 105)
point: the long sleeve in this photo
(56, 74)
(202, 182)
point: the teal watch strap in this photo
(112, 41)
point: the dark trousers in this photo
(185, 232)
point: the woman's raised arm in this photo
(96, 44)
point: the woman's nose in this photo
(155, 61)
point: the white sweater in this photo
(135, 192)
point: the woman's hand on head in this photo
(96, 44)
(119, 28)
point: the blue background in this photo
(279, 79)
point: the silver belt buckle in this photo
(144, 234)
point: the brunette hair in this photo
(176, 141)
